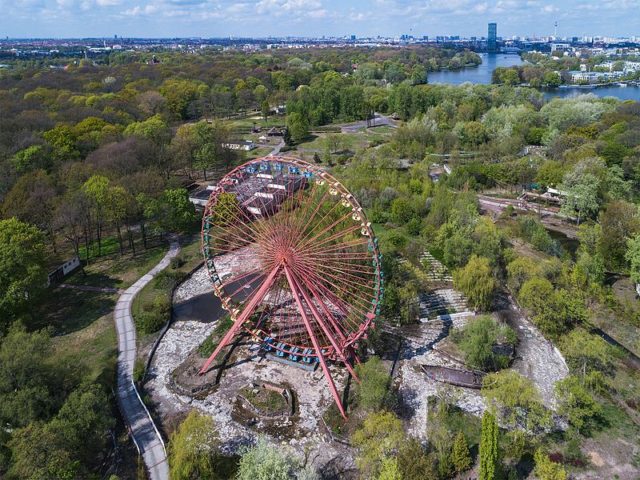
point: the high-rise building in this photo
(492, 38)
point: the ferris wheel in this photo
(294, 261)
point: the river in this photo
(482, 75)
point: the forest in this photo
(97, 161)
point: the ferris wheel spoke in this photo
(316, 344)
(243, 317)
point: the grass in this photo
(162, 285)
(265, 400)
(117, 271)
(67, 311)
(91, 350)
(207, 347)
(350, 141)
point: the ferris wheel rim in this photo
(260, 334)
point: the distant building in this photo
(245, 145)
(492, 38)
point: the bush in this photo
(477, 340)
(167, 279)
(177, 262)
(150, 322)
(374, 382)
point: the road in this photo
(377, 121)
(141, 427)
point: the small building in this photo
(245, 145)
(57, 275)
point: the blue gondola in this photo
(264, 167)
(306, 358)
(308, 174)
(280, 353)
(278, 167)
(294, 170)
(293, 355)
(267, 344)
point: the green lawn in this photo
(117, 271)
(161, 286)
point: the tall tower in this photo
(492, 38)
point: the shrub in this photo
(177, 262)
(477, 340)
(374, 382)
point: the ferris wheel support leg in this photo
(326, 331)
(244, 316)
(316, 344)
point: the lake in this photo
(490, 61)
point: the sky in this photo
(262, 18)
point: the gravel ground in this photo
(536, 359)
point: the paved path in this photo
(141, 427)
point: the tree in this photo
(621, 221)
(489, 465)
(264, 462)
(38, 453)
(380, 437)
(97, 189)
(179, 212)
(193, 449)
(577, 404)
(24, 377)
(546, 469)
(374, 383)
(586, 353)
(415, 463)
(516, 400)
(460, 455)
(633, 257)
(31, 200)
(582, 200)
(23, 273)
(554, 311)
(153, 129)
(298, 126)
(520, 270)
(477, 339)
(477, 282)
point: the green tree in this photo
(621, 221)
(516, 400)
(477, 282)
(23, 273)
(460, 455)
(83, 421)
(153, 129)
(193, 449)
(264, 462)
(24, 377)
(298, 126)
(179, 212)
(633, 257)
(546, 469)
(582, 200)
(489, 461)
(477, 339)
(38, 453)
(578, 405)
(414, 462)
(587, 354)
(380, 436)
(97, 190)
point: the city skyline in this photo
(264, 18)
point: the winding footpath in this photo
(142, 429)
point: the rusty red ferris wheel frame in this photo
(294, 260)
